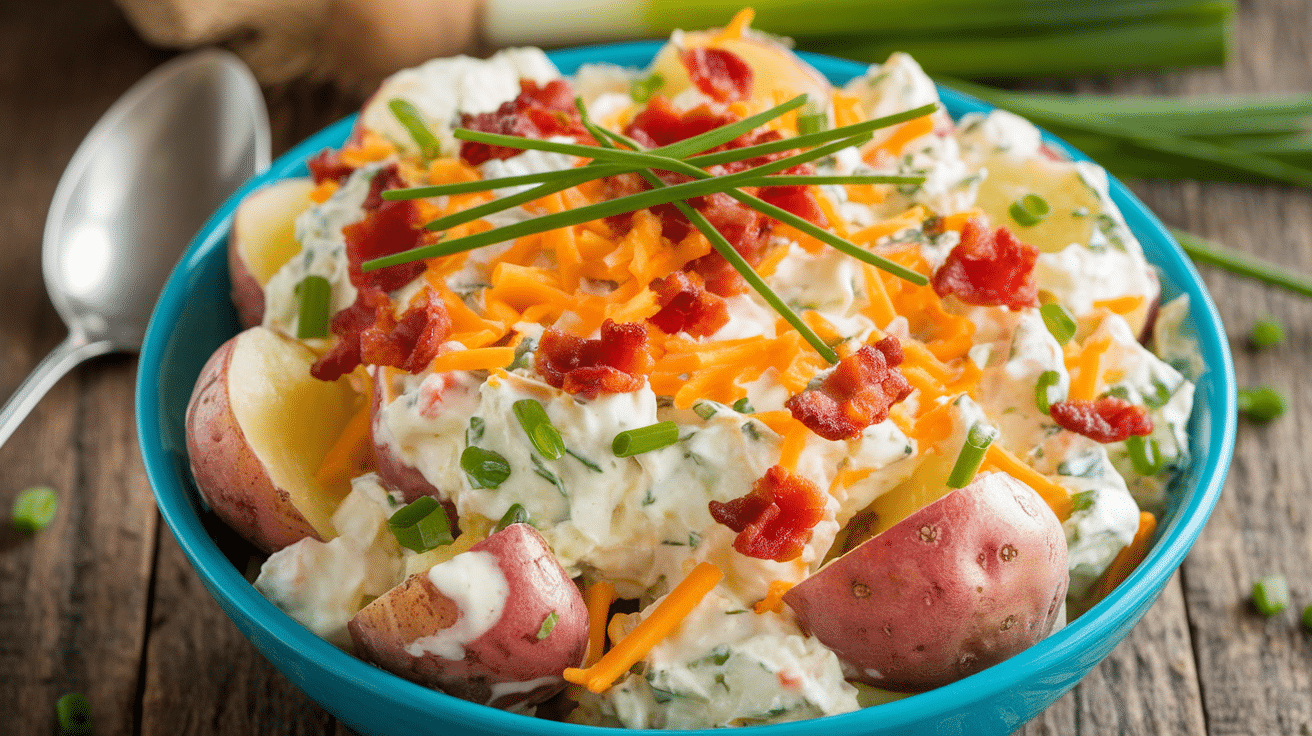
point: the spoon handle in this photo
(75, 349)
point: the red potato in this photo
(258, 426)
(262, 240)
(958, 586)
(477, 626)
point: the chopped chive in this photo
(1261, 403)
(1060, 322)
(978, 439)
(743, 406)
(1266, 333)
(586, 462)
(706, 409)
(485, 468)
(315, 294)
(537, 425)
(516, 514)
(548, 624)
(642, 89)
(413, 121)
(1042, 394)
(34, 509)
(74, 713)
(1271, 595)
(1029, 210)
(1145, 455)
(645, 439)
(548, 476)
(812, 118)
(421, 525)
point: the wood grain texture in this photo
(103, 602)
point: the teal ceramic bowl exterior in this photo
(195, 315)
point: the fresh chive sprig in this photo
(1215, 254)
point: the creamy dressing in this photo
(475, 584)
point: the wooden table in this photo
(103, 602)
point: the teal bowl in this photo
(195, 315)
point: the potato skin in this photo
(231, 478)
(960, 585)
(505, 665)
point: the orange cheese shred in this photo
(475, 359)
(664, 619)
(773, 602)
(904, 134)
(353, 453)
(597, 598)
(1129, 558)
(1085, 370)
(1054, 494)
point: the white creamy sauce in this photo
(474, 582)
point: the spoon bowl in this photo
(163, 157)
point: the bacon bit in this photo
(327, 165)
(538, 112)
(857, 394)
(989, 269)
(721, 75)
(775, 518)
(368, 332)
(390, 228)
(1109, 419)
(686, 305)
(616, 363)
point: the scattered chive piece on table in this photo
(1029, 210)
(421, 525)
(1266, 333)
(74, 713)
(413, 121)
(541, 432)
(1060, 322)
(1261, 403)
(548, 624)
(1145, 455)
(485, 468)
(312, 317)
(1215, 254)
(1271, 595)
(1307, 617)
(645, 439)
(34, 509)
(516, 514)
(1043, 390)
(977, 443)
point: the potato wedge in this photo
(258, 426)
(262, 239)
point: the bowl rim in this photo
(1113, 616)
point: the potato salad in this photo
(706, 394)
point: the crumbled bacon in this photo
(858, 393)
(369, 332)
(328, 164)
(391, 227)
(989, 269)
(615, 363)
(686, 305)
(774, 520)
(1108, 419)
(721, 75)
(538, 112)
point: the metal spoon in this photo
(144, 180)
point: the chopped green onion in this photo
(743, 406)
(34, 509)
(645, 439)
(1029, 210)
(541, 432)
(642, 89)
(1307, 617)
(1262, 403)
(1267, 333)
(706, 409)
(548, 624)
(1145, 455)
(74, 713)
(1060, 322)
(315, 294)
(978, 439)
(1271, 595)
(1215, 254)
(812, 118)
(421, 525)
(413, 121)
(514, 515)
(485, 468)
(1042, 395)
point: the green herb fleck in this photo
(1262, 403)
(1266, 333)
(1271, 595)
(548, 624)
